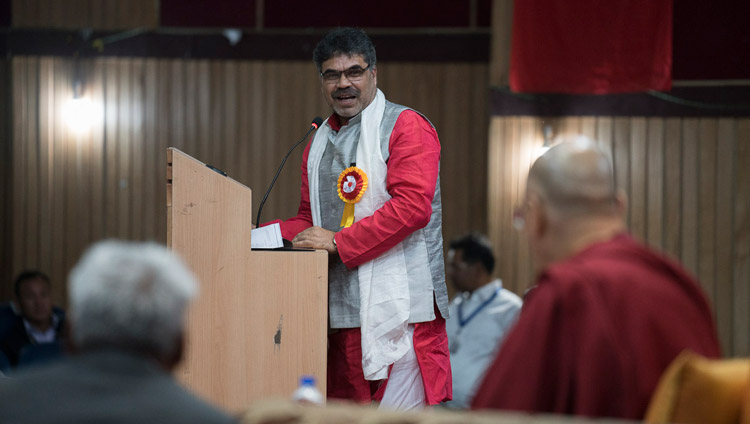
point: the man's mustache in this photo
(349, 91)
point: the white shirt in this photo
(47, 336)
(478, 323)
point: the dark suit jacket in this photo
(102, 387)
(16, 338)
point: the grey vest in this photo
(343, 284)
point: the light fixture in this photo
(79, 113)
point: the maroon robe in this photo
(597, 332)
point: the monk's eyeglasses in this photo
(519, 216)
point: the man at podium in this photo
(370, 196)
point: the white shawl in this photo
(383, 285)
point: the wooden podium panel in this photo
(290, 337)
(259, 321)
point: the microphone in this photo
(313, 126)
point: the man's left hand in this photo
(317, 238)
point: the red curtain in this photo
(591, 46)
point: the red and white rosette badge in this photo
(351, 186)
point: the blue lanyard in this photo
(462, 322)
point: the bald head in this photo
(575, 177)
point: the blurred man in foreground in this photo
(127, 311)
(607, 315)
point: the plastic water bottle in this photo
(307, 393)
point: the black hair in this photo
(347, 41)
(26, 275)
(475, 248)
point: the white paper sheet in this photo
(268, 237)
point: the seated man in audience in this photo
(37, 323)
(127, 313)
(607, 315)
(481, 315)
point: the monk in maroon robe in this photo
(607, 315)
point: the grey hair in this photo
(347, 41)
(131, 296)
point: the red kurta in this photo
(597, 332)
(413, 163)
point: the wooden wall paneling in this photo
(293, 122)
(215, 147)
(588, 127)
(508, 203)
(204, 108)
(672, 182)
(46, 143)
(707, 133)
(65, 210)
(31, 174)
(20, 118)
(569, 126)
(268, 157)
(456, 159)
(531, 136)
(621, 155)
(164, 137)
(77, 189)
(725, 152)
(494, 181)
(741, 236)
(638, 169)
(603, 134)
(124, 146)
(6, 179)
(244, 114)
(255, 137)
(186, 79)
(160, 148)
(689, 188)
(138, 201)
(516, 198)
(477, 143)
(228, 96)
(56, 207)
(181, 124)
(111, 75)
(654, 219)
(153, 174)
(279, 139)
(97, 164)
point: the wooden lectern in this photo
(260, 319)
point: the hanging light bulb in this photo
(80, 113)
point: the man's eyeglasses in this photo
(353, 74)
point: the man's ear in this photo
(538, 218)
(621, 203)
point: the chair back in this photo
(697, 390)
